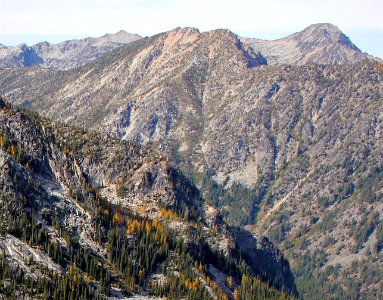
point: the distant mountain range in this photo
(65, 55)
(284, 137)
(319, 43)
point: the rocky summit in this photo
(282, 138)
(318, 43)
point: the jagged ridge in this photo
(65, 55)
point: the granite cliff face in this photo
(65, 55)
(68, 180)
(293, 149)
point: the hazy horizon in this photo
(360, 38)
(33, 21)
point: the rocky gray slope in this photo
(65, 55)
(295, 149)
(58, 174)
(318, 43)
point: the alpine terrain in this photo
(283, 138)
(85, 216)
(65, 55)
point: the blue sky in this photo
(31, 21)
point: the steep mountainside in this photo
(168, 88)
(85, 215)
(318, 43)
(65, 55)
(296, 150)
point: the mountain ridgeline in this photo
(283, 137)
(65, 55)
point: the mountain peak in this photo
(191, 31)
(218, 43)
(326, 33)
(120, 37)
(320, 31)
(183, 32)
(323, 26)
(222, 33)
(121, 32)
(322, 43)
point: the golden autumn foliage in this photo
(167, 214)
(192, 285)
(229, 281)
(236, 294)
(245, 279)
(72, 269)
(155, 228)
(132, 226)
(13, 151)
(148, 228)
(117, 218)
(141, 274)
(222, 296)
(142, 209)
